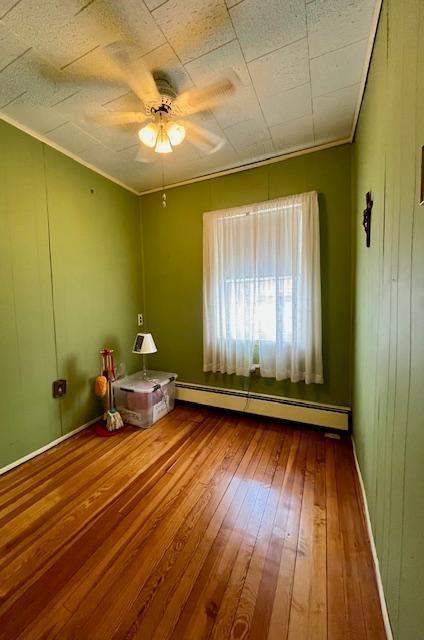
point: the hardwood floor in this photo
(207, 525)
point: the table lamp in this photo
(144, 344)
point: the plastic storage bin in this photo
(143, 402)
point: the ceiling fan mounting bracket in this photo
(163, 108)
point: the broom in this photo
(104, 386)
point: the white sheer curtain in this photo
(262, 289)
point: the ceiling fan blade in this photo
(144, 155)
(83, 76)
(201, 99)
(118, 117)
(134, 72)
(116, 64)
(204, 140)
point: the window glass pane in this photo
(273, 297)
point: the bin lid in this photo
(136, 383)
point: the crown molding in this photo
(278, 157)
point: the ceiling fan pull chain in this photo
(163, 185)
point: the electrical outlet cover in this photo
(59, 388)
(140, 319)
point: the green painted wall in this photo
(29, 417)
(60, 242)
(172, 247)
(388, 363)
(97, 277)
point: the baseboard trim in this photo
(314, 413)
(37, 452)
(383, 603)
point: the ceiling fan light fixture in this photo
(149, 135)
(176, 133)
(163, 144)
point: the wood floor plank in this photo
(135, 567)
(231, 597)
(27, 540)
(208, 525)
(101, 555)
(362, 593)
(228, 549)
(255, 602)
(199, 611)
(337, 606)
(147, 610)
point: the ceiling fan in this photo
(162, 111)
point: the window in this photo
(262, 289)
(270, 290)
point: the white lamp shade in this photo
(163, 145)
(176, 133)
(144, 343)
(148, 135)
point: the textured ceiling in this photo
(300, 65)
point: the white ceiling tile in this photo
(130, 20)
(10, 47)
(29, 18)
(287, 105)
(246, 133)
(125, 102)
(153, 4)
(281, 70)
(182, 156)
(333, 24)
(332, 131)
(164, 59)
(206, 120)
(298, 133)
(194, 27)
(96, 25)
(225, 157)
(36, 117)
(78, 107)
(217, 63)
(5, 6)
(23, 76)
(264, 26)
(116, 138)
(200, 166)
(338, 69)
(95, 72)
(257, 150)
(333, 113)
(71, 137)
(97, 154)
(243, 106)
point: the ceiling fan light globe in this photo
(149, 135)
(176, 133)
(163, 144)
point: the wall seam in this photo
(56, 351)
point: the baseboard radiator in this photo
(261, 404)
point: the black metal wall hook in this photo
(366, 222)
